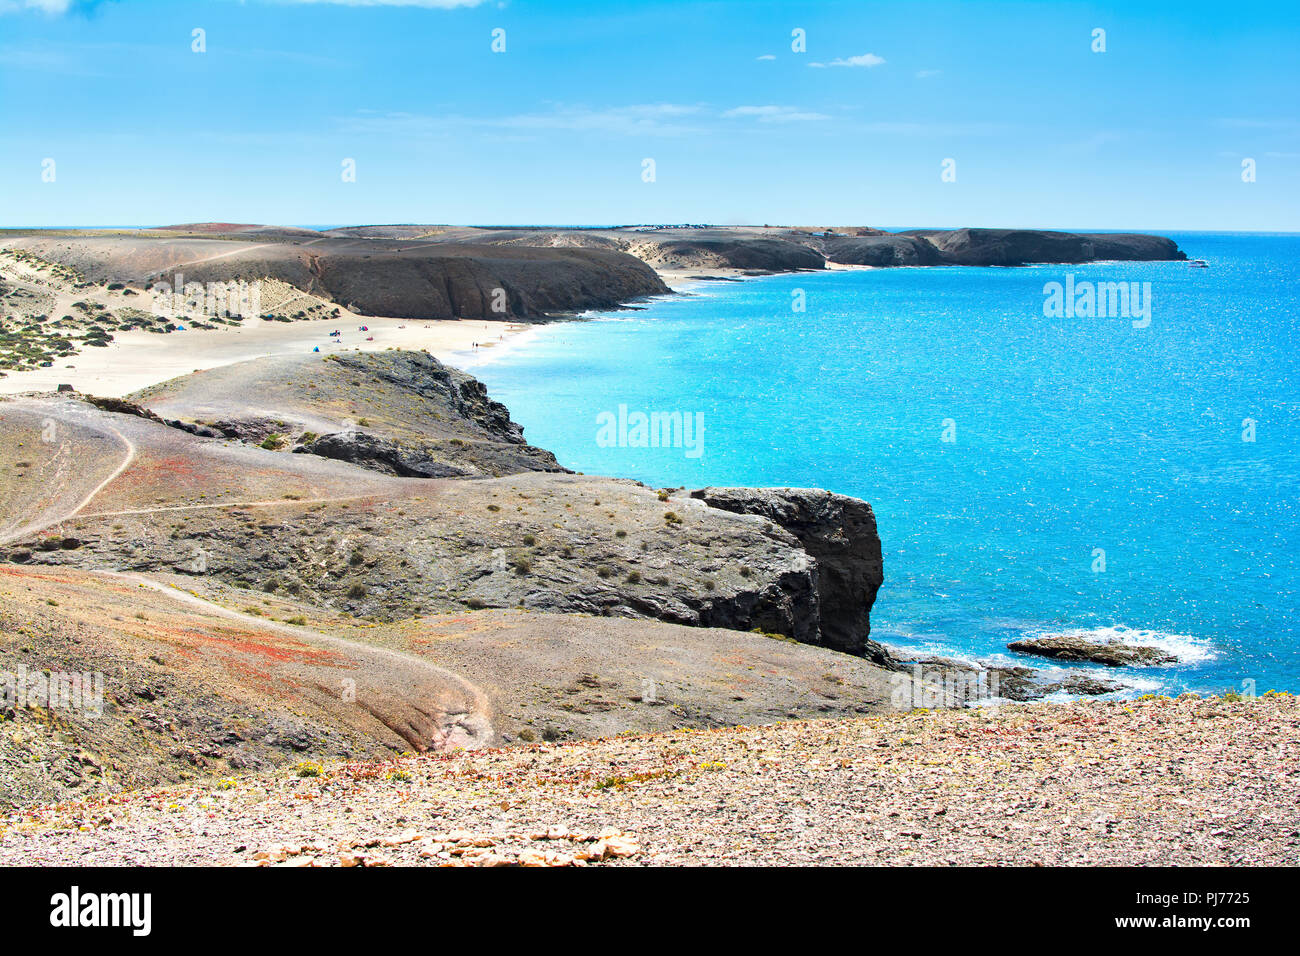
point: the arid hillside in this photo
(367, 276)
(758, 249)
(249, 561)
(354, 555)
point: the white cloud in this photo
(643, 119)
(646, 119)
(864, 59)
(773, 114)
(657, 118)
(436, 4)
(59, 7)
(911, 128)
(45, 6)
(1273, 124)
(765, 56)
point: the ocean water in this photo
(1098, 477)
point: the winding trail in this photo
(40, 525)
(470, 728)
(226, 504)
(221, 255)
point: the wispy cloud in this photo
(60, 7)
(432, 4)
(51, 7)
(863, 59)
(46, 61)
(45, 6)
(645, 119)
(653, 118)
(774, 114)
(642, 119)
(112, 58)
(926, 74)
(910, 128)
(765, 56)
(1284, 123)
(1093, 143)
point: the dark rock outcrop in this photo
(948, 682)
(493, 443)
(253, 430)
(1069, 647)
(1018, 247)
(462, 281)
(839, 535)
(886, 250)
(418, 459)
(122, 406)
(398, 412)
(758, 255)
(410, 280)
(769, 249)
(422, 376)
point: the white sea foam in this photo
(1188, 650)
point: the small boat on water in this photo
(1198, 263)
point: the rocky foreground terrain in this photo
(1149, 782)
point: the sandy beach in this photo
(136, 359)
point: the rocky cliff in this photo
(400, 412)
(411, 280)
(1018, 247)
(883, 251)
(839, 535)
(781, 249)
(375, 542)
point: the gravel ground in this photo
(1155, 781)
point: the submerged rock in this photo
(1112, 653)
(948, 682)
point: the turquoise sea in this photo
(1118, 480)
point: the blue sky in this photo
(1044, 131)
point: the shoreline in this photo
(138, 359)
